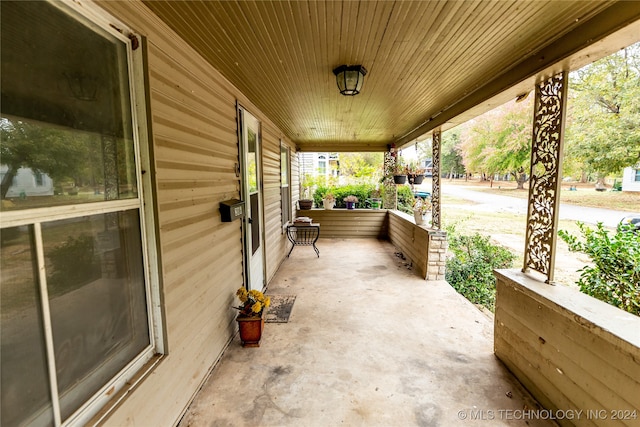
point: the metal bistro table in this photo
(303, 235)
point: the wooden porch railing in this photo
(424, 247)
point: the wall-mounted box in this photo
(231, 209)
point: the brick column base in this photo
(437, 255)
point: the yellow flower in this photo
(267, 301)
(242, 294)
(256, 295)
(257, 307)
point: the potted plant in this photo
(329, 201)
(400, 172)
(306, 202)
(415, 174)
(375, 202)
(250, 319)
(420, 208)
(351, 201)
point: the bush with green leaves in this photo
(470, 270)
(405, 199)
(361, 191)
(614, 276)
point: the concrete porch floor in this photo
(368, 343)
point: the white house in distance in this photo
(319, 164)
(631, 178)
(28, 183)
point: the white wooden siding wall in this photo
(276, 243)
(193, 111)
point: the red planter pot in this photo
(250, 330)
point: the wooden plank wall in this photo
(193, 114)
(411, 239)
(571, 351)
(347, 223)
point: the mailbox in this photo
(231, 209)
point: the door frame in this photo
(245, 195)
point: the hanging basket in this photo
(417, 179)
(400, 179)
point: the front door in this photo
(252, 196)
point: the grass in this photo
(508, 230)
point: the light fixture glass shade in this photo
(350, 78)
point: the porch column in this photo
(435, 179)
(544, 183)
(389, 195)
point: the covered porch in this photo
(216, 99)
(368, 342)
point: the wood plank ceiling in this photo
(423, 57)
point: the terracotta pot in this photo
(250, 330)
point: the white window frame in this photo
(284, 221)
(130, 375)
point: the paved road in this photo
(497, 203)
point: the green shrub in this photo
(470, 270)
(361, 191)
(614, 276)
(405, 199)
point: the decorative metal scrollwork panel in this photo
(544, 185)
(435, 183)
(389, 196)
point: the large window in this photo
(75, 295)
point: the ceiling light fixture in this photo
(350, 78)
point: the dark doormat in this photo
(280, 308)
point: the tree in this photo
(451, 161)
(603, 135)
(363, 166)
(499, 142)
(43, 149)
